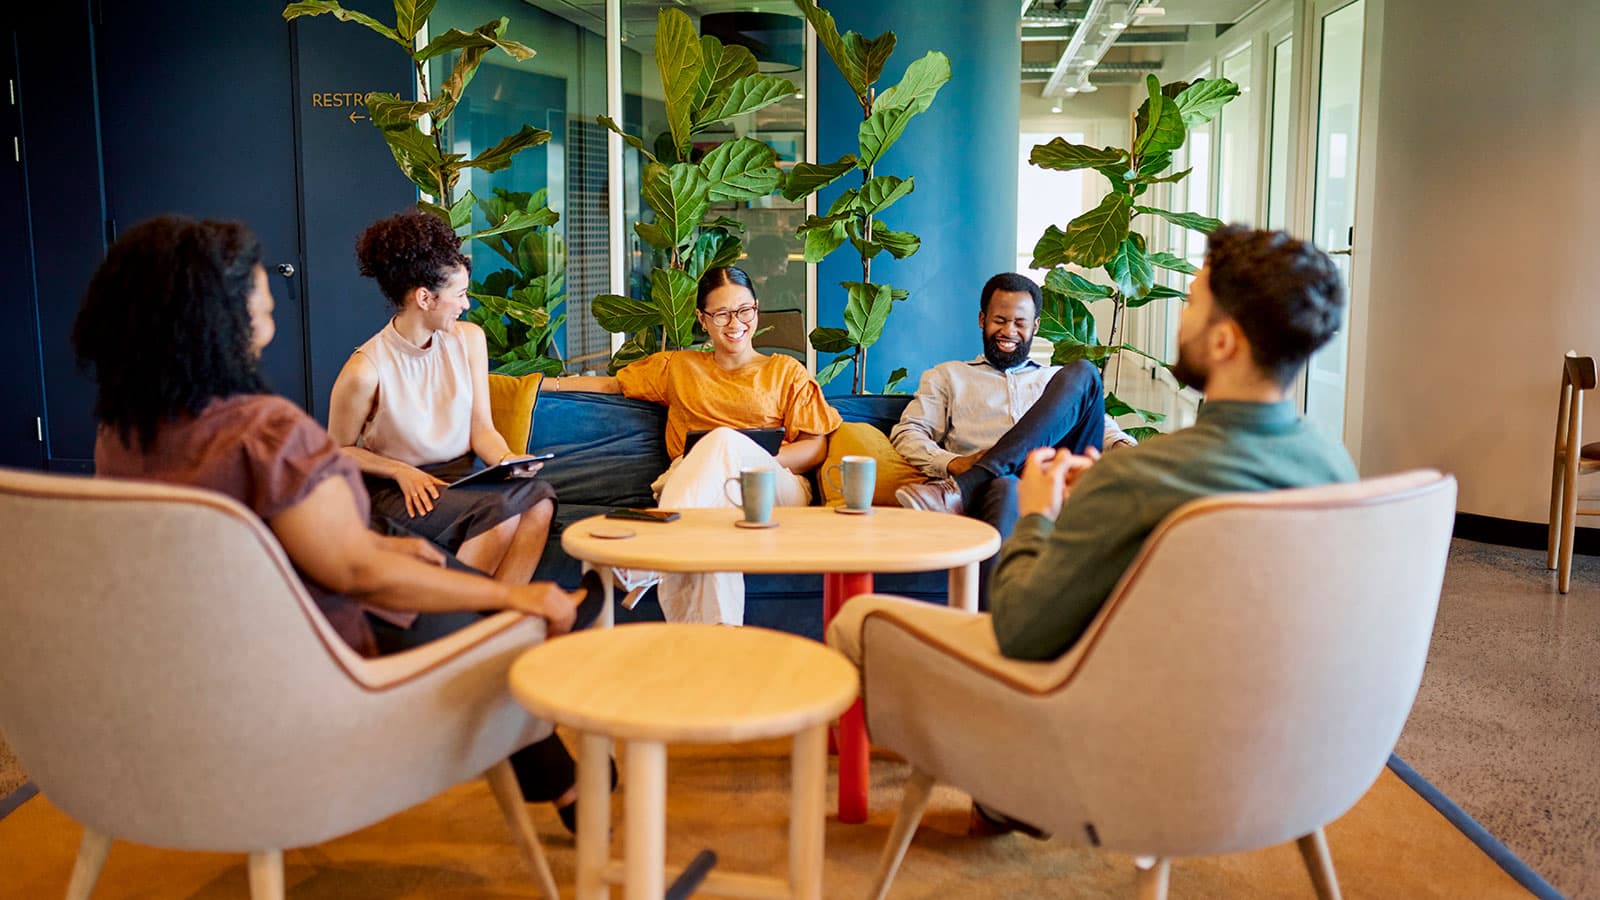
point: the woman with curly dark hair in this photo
(411, 408)
(172, 327)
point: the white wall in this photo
(1486, 230)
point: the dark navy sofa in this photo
(608, 451)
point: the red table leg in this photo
(854, 773)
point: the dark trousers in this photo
(1069, 415)
(544, 769)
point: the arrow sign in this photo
(355, 116)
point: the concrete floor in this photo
(1507, 722)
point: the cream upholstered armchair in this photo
(168, 681)
(1243, 686)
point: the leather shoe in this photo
(984, 822)
(938, 495)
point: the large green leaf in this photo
(1074, 285)
(1065, 317)
(742, 169)
(493, 325)
(485, 37)
(635, 348)
(680, 201)
(879, 132)
(624, 315)
(835, 368)
(417, 157)
(807, 178)
(721, 67)
(1129, 267)
(880, 193)
(830, 340)
(1174, 177)
(1093, 238)
(869, 54)
(1069, 351)
(410, 16)
(918, 86)
(390, 111)
(518, 220)
(678, 58)
(748, 94)
(892, 385)
(1164, 129)
(823, 235)
(1116, 406)
(1174, 263)
(1191, 221)
(517, 368)
(900, 244)
(1200, 102)
(673, 291)
(1050, 250)
(499, 156)
(460, 214)
(832, 42)
(714, 247)
(865, 311)
(318, 7)
(654, 235)
(1064, 157)
(1157, 292)
(610, 125)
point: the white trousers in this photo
(697, 480)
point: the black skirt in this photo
(459, 514)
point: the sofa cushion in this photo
(511, 401)
(863, 439)
(608, 448)
(881, 411)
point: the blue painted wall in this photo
(962, 153)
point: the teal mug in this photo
(758, 489)
(859, 477)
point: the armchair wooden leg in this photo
(503, 781)
(266, 875)
(918, 789)
(92, 852)
(1553, 541)
(1314, 848)
(1152, 881)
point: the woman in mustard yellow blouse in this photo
(732, 387)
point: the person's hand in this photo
(1047, 479)
(526, 469)
(419, 490)
(961, 465)
(547, 600)
(414, 547)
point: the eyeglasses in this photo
(746, 314)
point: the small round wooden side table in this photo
(654, 684)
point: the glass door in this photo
(1337, 32)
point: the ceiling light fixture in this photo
(1072, 90)
(1117, 16)
(1056, 106)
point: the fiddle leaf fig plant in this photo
(516, 305)
(1105, 238)
(855, 215)
(706, 83)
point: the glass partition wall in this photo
(562, 89)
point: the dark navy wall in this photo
(962, 153)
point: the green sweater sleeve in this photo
(1052, 577)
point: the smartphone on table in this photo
(644, 515)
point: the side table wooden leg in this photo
(964, 587)
(645, 802)
(608, 615)
(854, 769)
(809, 766)
(594, 815)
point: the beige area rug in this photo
(733, 799)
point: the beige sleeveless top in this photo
(423, 412)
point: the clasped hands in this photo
(1048, 477)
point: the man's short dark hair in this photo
(1013, 283)
(1286, 295)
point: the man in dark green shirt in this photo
(1257, 310)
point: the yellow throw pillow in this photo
(861, 439)
(511, 400)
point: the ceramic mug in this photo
(757, 490)
(859, 475)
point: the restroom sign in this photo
(353, 103)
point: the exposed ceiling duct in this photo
(1101, 24)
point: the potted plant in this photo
(1104, 237)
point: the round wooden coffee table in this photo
(653, 684)
(846, 549)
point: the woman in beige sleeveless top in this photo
(411, 407)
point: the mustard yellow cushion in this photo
(511, 400)
(861, 439)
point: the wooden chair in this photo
(1242, 686)
(1572, 458)
(169, 681)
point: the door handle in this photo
(1344, 252)
(286, 270)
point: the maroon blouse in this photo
(261, 450)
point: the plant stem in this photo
(445, 198)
